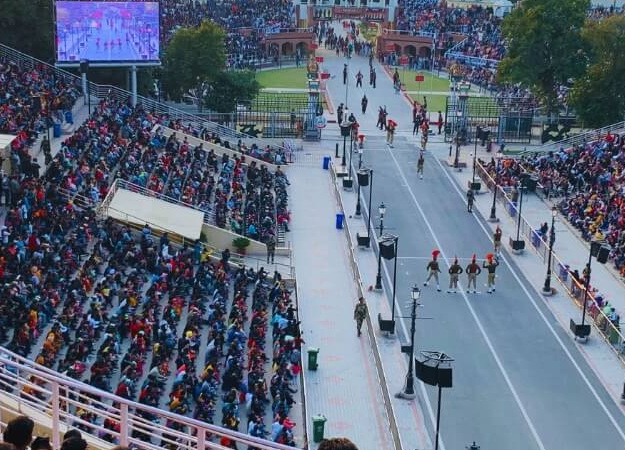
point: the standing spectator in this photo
(271, 249)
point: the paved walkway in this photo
(344, 388)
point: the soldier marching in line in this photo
(454, 271)
(433, 269)
(490, 264)
(473, 270)
(360, 314)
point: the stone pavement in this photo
(345, 388)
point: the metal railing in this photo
(578, 139)
(104, 91)
(59, 402)
(609, 331)
(472, 60)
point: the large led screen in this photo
(107, 32)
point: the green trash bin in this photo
(319, 423)
(312, 358)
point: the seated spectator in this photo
(337, 444)
(19, 432)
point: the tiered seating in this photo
(126, 311)
(25, 96)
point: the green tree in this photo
(599, 95)
(193, 56)
(545, 47)
(27, 26)
(229, 89)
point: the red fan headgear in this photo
(490, 257)
(473, 258)
(435, 254)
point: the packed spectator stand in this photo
(246, 24)
(115, 307)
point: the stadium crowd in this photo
(246, 23)
(76, 287)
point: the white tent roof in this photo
(5, 140)
(502, 4)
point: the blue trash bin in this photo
(326, 162)
(69, 117)
(57, 130)
(339, 220)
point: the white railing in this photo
(53, 400)
(578, 139)
(472, 60)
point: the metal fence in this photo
(59, 402)
(104, 91)
(608, 330)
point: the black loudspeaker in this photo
(427, 372)
(84, 66)
(363, 177)
(387, 249)
(602, 255)
(444, 376)
(346, 131)
(594, 248)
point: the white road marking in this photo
(544, 318)
(480, 326)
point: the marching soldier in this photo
(470, 198)
(490, 264)
(360, 314)
(433, 269)
(454, 271)
(420, 163)
(497, 240)
(473, 270)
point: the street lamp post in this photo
(345, 129)
(552, 238)
(369, 210)
(477, 133)
(409, 390)
(358, 213)
(493, 208)
(518, 222)
(378, 277)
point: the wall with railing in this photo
(609, 331)
(57, 403)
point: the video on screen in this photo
(107, 31)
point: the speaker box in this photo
(602, 254)
(517, 245)
(346, 131)
(363, 177)
(426, 372)
(84, 66)
(594, 248)
(444, 376)
(387, 249)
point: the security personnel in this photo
(360, 314)
(454, 271)
(490, 264)
(433, 270)
(497, 240)
(470, 198)
(473, 270)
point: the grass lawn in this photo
(438, 102)
(434, 84)
(283, 78)
(272, 102)
(435, 102)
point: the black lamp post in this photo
(601, 252)
(478, 132)
(369, 210)
(378, 277)
(409, 391)
(552, 238)
(346, 130)
(518, 244)
(493, 207)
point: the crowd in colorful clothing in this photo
(130, 311)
